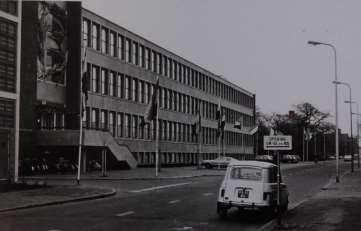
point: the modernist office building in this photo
(10, 36)
(123, 68)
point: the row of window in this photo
(131, 126)
(50, 120)
(9, 6)
(116, 45)
(7, 56)
(7, 113)
(108, 82)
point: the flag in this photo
(85, 83)
(239, 123)
(308, 134)
(253, 130)
(221, 125)
(151, 112)
(196, 126)
(218, 112)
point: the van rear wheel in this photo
(222, 211)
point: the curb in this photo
(99, 196)
(269, 225)
(144, 178)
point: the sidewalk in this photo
(336, 207)
(25, 196)
(149, 173)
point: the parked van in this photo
(253, 185)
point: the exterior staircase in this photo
(91, 138)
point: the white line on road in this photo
(173, 202)
(207, 194)
(158, 187)
(125, 214)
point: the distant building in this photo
(123, 68)
(10, 49)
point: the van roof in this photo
(253, 163)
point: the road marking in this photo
(158, 187)
(173, 202)
(125, 214)
(207, 194)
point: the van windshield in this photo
(246, 173)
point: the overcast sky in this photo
(259, 45)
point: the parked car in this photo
(332, 157)
(266, 158)
(253, 185)
(347, 158)
(290, 159)
(221, 162)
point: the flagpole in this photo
(199, 140)
(81, 119)
(157, 135)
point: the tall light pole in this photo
(350, 102)
(358, 138)
(314, 43)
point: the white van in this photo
(251, 184)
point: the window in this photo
(146, 92)
(128, 51)
(111, 123)
(7, 113)
(120, 121)
(9, 6)
(127, 125)
(113, 44)
(95, 36)
(103, 120)
(128, 90)
(159, 64)
(246, 173)
(120, 84)
(121, 47)
(7, 56)
(174, 69)
(153, 61)
(168, 68)
(135, 93)
(86, 33)
(135, 53)
(135, 126)
(95, 79)
(105, 41)
(141, 91)
(104, 84)
(111, 83)
(95, 119)
(141, 56)
(147, 59)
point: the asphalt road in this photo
(187, 204)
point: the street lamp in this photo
(358, 137)
(315, 43)
(350, 102)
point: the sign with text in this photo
(277, 142)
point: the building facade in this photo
(122, 68)
(10, 37)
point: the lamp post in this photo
(358, 138)
(350, 102)
(315, 43)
